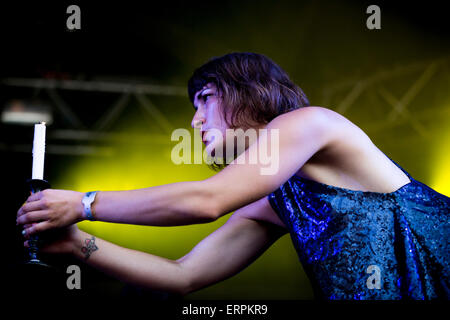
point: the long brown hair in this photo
(253, 88)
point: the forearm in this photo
(130, 266)
(220, 255)
(180, 203)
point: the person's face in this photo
(209, 115)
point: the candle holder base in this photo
(37, 262)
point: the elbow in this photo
(185, 290)
(206, 214)
(207, 203)
(193, 283)
(213, 213)
(187, 285)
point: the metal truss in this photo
(344, 95)
(78, 131)
(397, 111)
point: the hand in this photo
(50, 209)
(58, 241)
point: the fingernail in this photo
(24, 232)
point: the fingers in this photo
(26, 226)
(36, 228)
(35, 196)
(33, 200)
(30, 206)
(33, 216)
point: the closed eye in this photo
(205, 96)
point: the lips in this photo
(203, 136)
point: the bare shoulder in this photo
(339, 132)
(311, 115)
(314, 120)
(351, 160)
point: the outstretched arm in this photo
(222, 254)
(298, 135)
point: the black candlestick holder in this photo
(35, 185)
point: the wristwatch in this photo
(87, 201)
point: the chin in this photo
(211, 148)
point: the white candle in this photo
(38, 151)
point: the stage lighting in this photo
(23, 112)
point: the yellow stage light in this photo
(441, 173)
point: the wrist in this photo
(77, 243)
(87, 202)
(80, 215)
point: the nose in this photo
(197, 122)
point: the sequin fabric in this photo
(357, 245)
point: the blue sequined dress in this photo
(368, 245)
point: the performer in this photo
(362, 226)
